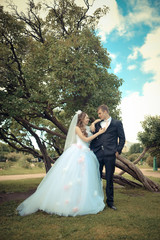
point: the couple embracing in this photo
(73, 185)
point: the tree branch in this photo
(44, 129)
(11, 141)
(138, 159)
(35, 26)
(55, 121)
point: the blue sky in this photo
(131, 33)
(122, 46)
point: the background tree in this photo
(49, 69)
(4, 149)
(150, 137)
(150, 140)
(135, 148)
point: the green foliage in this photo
(20, 160)
(50, 68)
(14, 157)
(6, 165)
(135, 148)
(4, 148)
(133, 157)
(150, 137)
(150, 161)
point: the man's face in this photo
(102, 115)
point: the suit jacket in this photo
(111, 141)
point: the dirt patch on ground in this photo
(21, 196)
(15, 196)
(22, 176)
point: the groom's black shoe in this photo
(112, 207)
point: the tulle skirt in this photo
(71, 187)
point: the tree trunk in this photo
(46, 158)
(40, 144)
(136, 173)
(137, 160)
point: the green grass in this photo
(16, 170)
(22, 185)
(137, 218)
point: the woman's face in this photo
(86, 120)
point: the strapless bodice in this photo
(80, 142)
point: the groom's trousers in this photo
(109, 163)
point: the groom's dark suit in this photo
(105, 147)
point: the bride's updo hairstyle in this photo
(81, 118)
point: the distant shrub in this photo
(29, 158)
(150, 161)
(133, 157)
(3, 158)
(26, 165)
(6, 165)
(13, 156)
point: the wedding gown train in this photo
(71, 187)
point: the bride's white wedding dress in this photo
(71, 187)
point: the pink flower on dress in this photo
(79, 146)
(66, 187)
(81, 159)
(75, 209)
(67, 201)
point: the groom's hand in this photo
(92, 127)
(117, 154)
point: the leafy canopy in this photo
(49, 69)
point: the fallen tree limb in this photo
(136, 173)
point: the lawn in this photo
(16, 170)
(137, 217)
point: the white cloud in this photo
(118, 68)
(132, 67)
(141, 13)
(113, 56)
(134, 108)
(112, 20)
(150, 52)
(134, 55)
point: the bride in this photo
(72, 186)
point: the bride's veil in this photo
(71, 135)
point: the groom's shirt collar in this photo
(103, 122)
(107, 120)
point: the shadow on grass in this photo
(137, 217)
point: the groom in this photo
(107, 147)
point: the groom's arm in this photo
(121, 136)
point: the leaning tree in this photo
(50, 67)
(150, 140)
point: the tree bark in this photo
(136, 173)
(137, 160)
(40, 144)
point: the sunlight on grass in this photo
(137, 217)
(19, 170)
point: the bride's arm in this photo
(88, 139)
(92, 127)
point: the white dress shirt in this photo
(106, 123)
